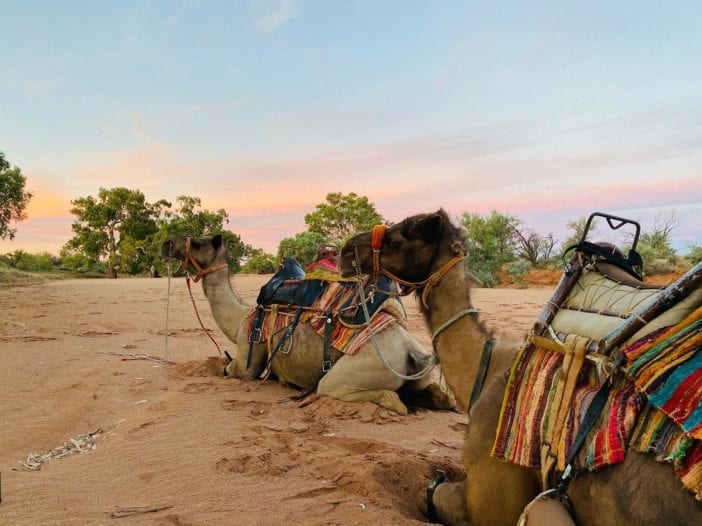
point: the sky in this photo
(545, 110)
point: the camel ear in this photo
(428, 228)
(217, 241)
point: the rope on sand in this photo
(80, 444)
(138, 356)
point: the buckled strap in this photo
(328, 327)
(256, 333)
(482, 371)
(287, 334)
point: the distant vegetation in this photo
(117, 232)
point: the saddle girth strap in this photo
(256, 333)
(328, 328)
(482, 371)
(287, 334)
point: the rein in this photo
(189, 260)
(407, 287)
(377, 238)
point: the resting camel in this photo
(638, 491)
(358, 378)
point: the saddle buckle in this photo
(287, 346)
(256, 335)
(326, 366)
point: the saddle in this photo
(288, 287)
(572, 402)
(291, 291)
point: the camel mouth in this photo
(169, 252)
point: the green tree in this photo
(491, 243)
(577, 227)
(190, 220)
(117, 216)
(341, 216)
(695, 254)
(13, 198)
(259, 262)
(302, 247)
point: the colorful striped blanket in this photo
(347, 340)
(656, 407)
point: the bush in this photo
(518, 271)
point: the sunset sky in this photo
(545, 110)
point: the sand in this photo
(206, 449)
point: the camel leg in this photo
(427, 393)
(450, 503)
(237, 367)
(363, 378)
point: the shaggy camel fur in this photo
(358, 378)
(640, 491)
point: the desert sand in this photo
(206, 449)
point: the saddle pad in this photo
(673, 383)
(347, 340)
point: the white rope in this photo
(451, 321)
(415, 376)
(168, 308)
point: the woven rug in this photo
(344, 339)
(658, 412)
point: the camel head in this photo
(205, 254)
(411, 250)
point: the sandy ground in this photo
(211, 450)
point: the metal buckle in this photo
(256, 336)
(326, 366)
(287, 347)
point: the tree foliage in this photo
(656, 242)
(189, 219)
(491, 243)
(13, 197)
(117, 218)
(302, 246)
(259, 262)
(341, 216)
(577, 227)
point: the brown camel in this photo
(358, 378)
(639, 491)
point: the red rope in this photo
(187, 280)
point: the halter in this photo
(189, 260)
(407, 287)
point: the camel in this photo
(419, 250)
(358, 378)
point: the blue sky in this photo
(546, 110)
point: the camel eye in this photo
(395, 245)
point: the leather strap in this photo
(328, 327)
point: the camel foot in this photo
(433, 396)
(449, 504)
(382, 397)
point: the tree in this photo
(302, 247)
(189, 221)
(259, 262)
(577, 226)
(491, 243)
(117, 216)
(532, 247)
(13, 198)
(342, 216)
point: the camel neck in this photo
(227, 310)
(459, 343)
